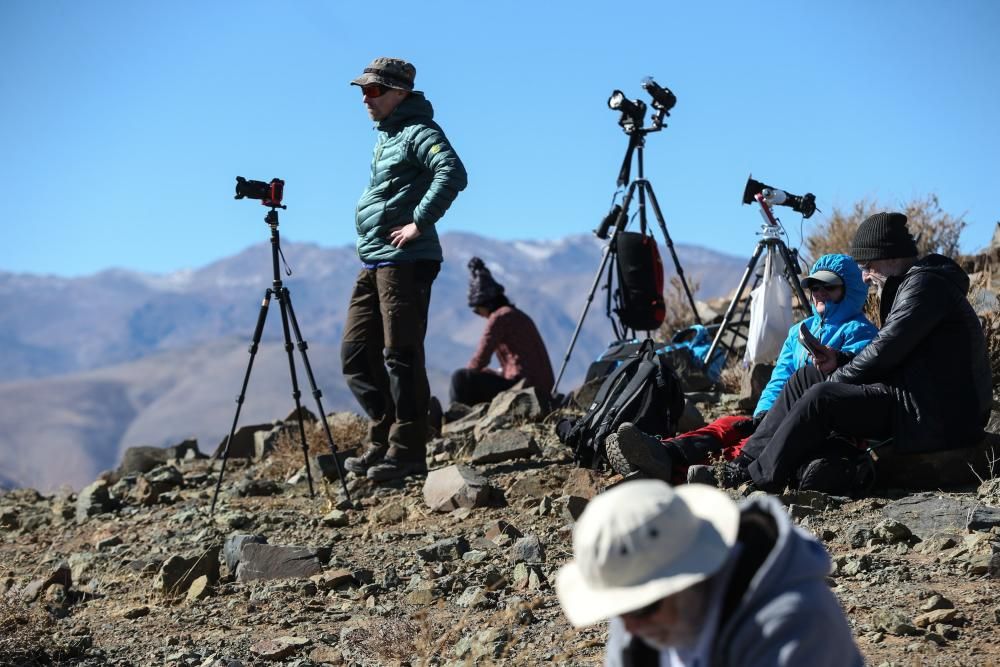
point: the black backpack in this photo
(639, 302)
(644, 390)
(617, 352)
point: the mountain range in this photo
(96, 364)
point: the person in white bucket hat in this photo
(687, 577)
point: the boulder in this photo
(244, 440)
(185, 450)
(93, 500)
(266, 561)
(466, 425)
(510, 408)
(447, 489)
(752, 385)
(178, 572)
(232, 550)
(141, 459)
(505, 446)
(934, 470)
(929, 515)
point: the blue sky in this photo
(124, 124)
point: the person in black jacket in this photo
(924, 381)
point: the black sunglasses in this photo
(644, 612)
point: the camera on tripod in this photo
(633, 112)
(269, 194)
(806, 204)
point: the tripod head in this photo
(633, 112)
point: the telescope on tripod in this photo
(772, 243)
(612, 227)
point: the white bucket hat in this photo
(642, 541)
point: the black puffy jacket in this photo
(931, 354)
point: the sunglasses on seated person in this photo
(816, 287)
(643, 612)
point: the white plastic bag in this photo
(770, 313)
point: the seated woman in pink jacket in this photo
(511, 335)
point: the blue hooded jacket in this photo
(843, 327)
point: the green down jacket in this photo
(416, 174)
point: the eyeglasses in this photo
(373, 90)
(643, 612)
(818, 287)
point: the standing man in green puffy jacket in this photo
(415, 176)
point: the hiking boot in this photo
(734, 474)
(359, 465)
(644, 452)
(616, 459)
(391, 468)
(701, 474)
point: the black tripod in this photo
(771, 242)
(278, 290)
(618, 218)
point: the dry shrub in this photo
(23, 632)
(679, 315)
(934, 230)
(991, 326)
(348, 431)
(733, 377)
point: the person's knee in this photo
(353, 357)
(460, 385)
(404, 357)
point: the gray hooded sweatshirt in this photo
(777, 608)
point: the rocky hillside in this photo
(454, 570)
(97, 364)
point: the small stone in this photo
(946, 616)
(135, 612)
(390, 514)
(892, 531)
(199, 589)
(474, 597)
(108, 542)
(422, 597)
(528, 549)
(335, 519)
(935, 602)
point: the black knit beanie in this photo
(883, 236)
(483, 289)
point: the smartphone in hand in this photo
(810, 341)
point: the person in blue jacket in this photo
(837, 295)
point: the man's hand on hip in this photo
(400, 236)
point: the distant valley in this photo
(96, 364)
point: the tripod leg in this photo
(317, 394)
(792, 276)
(283, 303)
(254, 344)
(583, 315)
(736, 299)
(670, 246)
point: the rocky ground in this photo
(458, 570)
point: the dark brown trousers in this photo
(382, 354)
